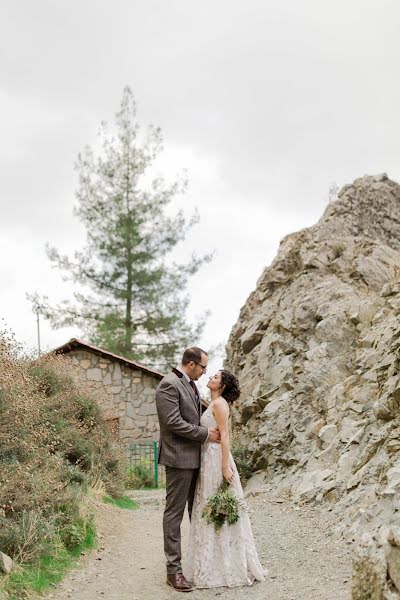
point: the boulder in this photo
(6, 563)
(393, 562)
(369, 570)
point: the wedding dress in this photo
(227, 557)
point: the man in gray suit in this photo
(181, 436)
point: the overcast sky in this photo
(265, 103)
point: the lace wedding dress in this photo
(227, 557)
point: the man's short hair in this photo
(193, 354)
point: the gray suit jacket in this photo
(181, 434)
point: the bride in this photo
(227, 557)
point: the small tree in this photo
(135, 304)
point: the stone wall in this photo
(124, 393)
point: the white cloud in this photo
(265, 103)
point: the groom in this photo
(181, 436)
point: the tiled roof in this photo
(75, 344)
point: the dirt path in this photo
(304, 559)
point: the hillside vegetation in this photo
(54, 450)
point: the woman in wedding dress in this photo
(227, 557)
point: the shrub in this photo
(74, 533)
(141, 475)
(26, 536)
(54, 446)
(47, 380)
(338, 250)
(242, 457)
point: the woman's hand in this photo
(228, 474)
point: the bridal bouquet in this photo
(223, 507)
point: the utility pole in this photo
(38, 330)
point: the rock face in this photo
(317, 350)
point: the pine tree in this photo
(136, 303)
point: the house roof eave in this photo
(76, 344)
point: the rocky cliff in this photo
(317, 350)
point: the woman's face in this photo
(214, 383)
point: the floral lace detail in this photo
(227, 557)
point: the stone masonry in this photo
(124, 389)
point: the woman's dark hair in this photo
(230, 386)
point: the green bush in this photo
(87, 411)
(74, 474)
(54, 446)
(73, 534)
(48, 382)
(141, 476)
(242, 457)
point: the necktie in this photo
(196, 391)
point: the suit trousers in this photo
(180, 484)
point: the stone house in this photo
(125, 389)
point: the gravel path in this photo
(304, 559)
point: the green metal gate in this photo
(144, 470)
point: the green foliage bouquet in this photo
(223, 507)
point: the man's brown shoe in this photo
(179, 583)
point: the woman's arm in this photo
(221, 414)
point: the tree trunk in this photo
(128, 311)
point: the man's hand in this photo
(214, 435)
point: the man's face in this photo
(197, 369)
